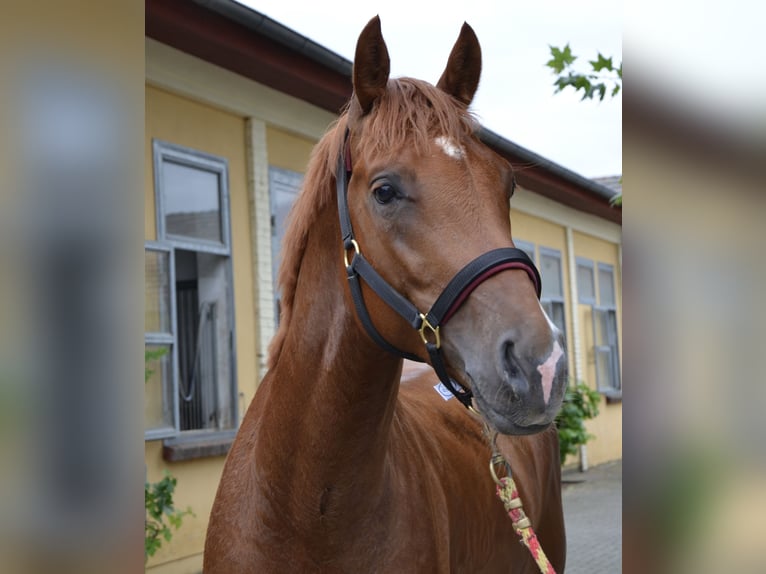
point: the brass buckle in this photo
(435, 330)
(355, 245)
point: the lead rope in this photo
(509, 495)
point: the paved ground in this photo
(593, 515)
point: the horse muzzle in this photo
(519, 392)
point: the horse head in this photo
(427, 197)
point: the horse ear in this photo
(371, 65)
(461, 76)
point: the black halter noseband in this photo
(450, 300)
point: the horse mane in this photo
(410, 113)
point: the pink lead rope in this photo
(509, 495)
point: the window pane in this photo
(550, 271)
(158, 389)
(157, 291)
(599, 328)
(606, 286)
(285, 186)
(558, 316)
(526, 247)
(605, 347)
(192, 203)
(586, 291)
(205, 368)
(555, 312)
(603, 369)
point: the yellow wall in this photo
(607, 427)
(288, 151)
(182, 121)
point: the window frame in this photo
(195, 159)
(160, 338)
(589, 264)
(169, 242)
(614, 391)
(610, 269)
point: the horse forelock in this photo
(412, 114)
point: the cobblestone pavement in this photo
(593, 516)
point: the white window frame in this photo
(196, 159)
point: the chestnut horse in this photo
(347, 460)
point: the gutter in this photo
(265, 26)
(498, 142)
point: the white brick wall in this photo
(260, 226)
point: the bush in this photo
(580, 404)
(158, 499)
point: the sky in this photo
(516, 93)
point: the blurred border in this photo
(71, 251)
(694, 270)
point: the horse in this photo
(349, 458)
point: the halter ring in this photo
(435, 330)
(355, 245)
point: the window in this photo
(159, 414)
(605, 333)
(586, 286)
(189, 315)
(526, 247)
(604, 315)
(552, 298)
(284, 186)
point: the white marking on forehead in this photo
(548, 370)
(449, 147)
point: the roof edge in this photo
(492, 138)
(279, 33)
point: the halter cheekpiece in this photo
(446, 305)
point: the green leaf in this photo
(616, 90)
(601, 63)
(560, 59)
(580, 404)
(161, 516)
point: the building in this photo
(234, 104)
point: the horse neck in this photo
(330, 397)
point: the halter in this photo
(446, 305)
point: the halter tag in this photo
(443, 391)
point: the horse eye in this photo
(384, 194)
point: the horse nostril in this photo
(511, 370)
